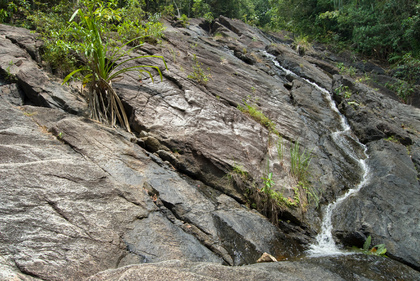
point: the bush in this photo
(102, 64)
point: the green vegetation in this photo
(344, 70)
(184, 20)
(299, 170)
(90, 40)
(302, 44)
(388, 30)
(276, 197)
(258, 116)
(378, 250)
(239, 170)
(377, 28)
(271, 202)
(118, 22)
(280, 150)
(299, 163)
(344, 91)
(198, 73)
(9, 76)
(392, 139)
(402, 88)
(102, 64)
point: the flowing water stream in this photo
(348, 142)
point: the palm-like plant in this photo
(103, 64)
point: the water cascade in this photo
(325, 244)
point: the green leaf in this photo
(380, 249)
(71, 75)
(366, 245)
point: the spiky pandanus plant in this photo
(103, 64)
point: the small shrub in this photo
(344, 70)
(378, 250)
(344, 91)
(302, 44)
(402, 88)
(198, 73)
(184, 20)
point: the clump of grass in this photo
(198, 73)
(259, 116)
(269, 201)
(299, 163)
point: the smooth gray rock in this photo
(333, 268)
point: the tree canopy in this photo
(381, 29)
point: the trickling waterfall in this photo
(325, 244)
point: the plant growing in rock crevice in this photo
(267, 200)
(344, 91)
(272, 203)
(258, 116)
(103, 64)
(198, 73)
(378, 250)
(299, 163)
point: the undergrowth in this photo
(198, 73)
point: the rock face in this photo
(391, 131)
(80, 200)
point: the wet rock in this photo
(386, 203)
(291, 60)
(385, 207)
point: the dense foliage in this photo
(388, 30)
(379, 28)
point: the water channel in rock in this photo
(325, 244)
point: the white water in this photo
(325, 244)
